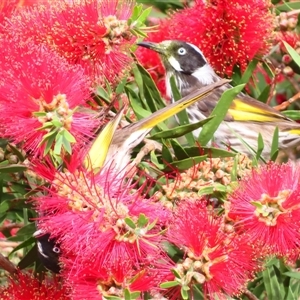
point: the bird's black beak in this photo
(153, 46)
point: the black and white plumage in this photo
(246, 118)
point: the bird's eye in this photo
(56, 250)
(181, 51)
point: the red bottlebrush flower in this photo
(266, 208)
(25, 286)
(95, 282)
(92, 33)
(228, 32)
(39, 95)
(221, 263)
(124, 228)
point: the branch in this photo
(7, 265)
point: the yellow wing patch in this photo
(242, 111)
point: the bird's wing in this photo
(243, 108)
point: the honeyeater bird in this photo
(113, 146)
(246, 117)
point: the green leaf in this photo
(142, 220)
(4, 206)
(293, 53)
(260, 146)
(155, 161)
(219, 111)
(291, 274)
(58, 144)
(166, 154)
(209, 151)
(127, 294)
(178, 150)
(68, 136)
(26, 243)
(169, 284)
(135, 295)
(249, 71)
(186, 163)
(100, 91)
(28, 229)
(184, 293)
(292, 114)
(275, 145)
(288, 6)
(130, 223)
(182, 116)
(216, 187)
(12, 168)
(179, 130)
(30, 256)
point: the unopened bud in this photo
(288, 71)
(286, 59)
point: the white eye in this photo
(56, 250)
(181, 51)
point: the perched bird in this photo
(113, 147)
(246, 118)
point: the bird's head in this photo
(185, 62)
(178, 55)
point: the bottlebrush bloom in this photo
(265, 208)
(92, 33)
(40, 93)
(25, 286)
(95, 282)
(228, 32)
(99, 220)
(220, 262)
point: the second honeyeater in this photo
(246, 117)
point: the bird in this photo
(48, 250)
(113, 146)
(246, 117)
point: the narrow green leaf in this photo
(219, 111)
(67, 145)
(206, 190)
(127, 294)
(292, 114)
(179, 130)
(16, 151)
(101, 92)
(49, 143)
(26, 243)
(182, 116)
(184, 293)
(30, 256)
(58, 144)
(249, 71)
(186, 163)
(166, 154)
(169, 284)
(142, 220)
(275, 145)
(155, 161)
(288, 6)
(209, 151)
(130, 223)
(178, 150)
(28, 229)
(135, 295)
(293, 53)
(68, 136)
(260, 146)
(12, 168)
(291, 274)
(4, 206)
